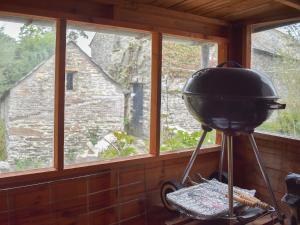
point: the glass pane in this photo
(181, 58)
(107, 111)
(27, 65)
(276, 52)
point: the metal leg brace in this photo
(193, 158)
(223, 144)
(230, 174)
(265, 176)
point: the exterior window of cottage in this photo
(109, 116)
(27, 65)
(180, 59)
(70, 78)
(276, 52)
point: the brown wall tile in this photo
(132, 209)
(74, 220)
(32, 216)
(4, 218)
(132, 191)
(70, 207)
(29, 197)
(103, 199)
(67, 189)
(103, 181)
(131, 174)
(140, 220)
(104, 217)
(3, 201)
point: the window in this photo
(107, 115)
(276, 53)
(180, 59)
(27, 65)
(69, 83)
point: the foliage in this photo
(3, 153)
(18, 58)
(71, 155)
(122, 147)
(73, 35)
(93, 136)
(28, 163)
(174, 139)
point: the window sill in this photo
(50, 174)
(271, 137)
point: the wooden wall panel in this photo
(121, 195)
(281, 156)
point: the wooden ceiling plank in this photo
(188, 5)
(242, 9)
(234, 7)
(175, 14)
(291, 3)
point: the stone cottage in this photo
(131, 55)
(92, 99)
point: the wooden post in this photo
(60, 61)
(155, 93)
(222, 57)
(240, 44)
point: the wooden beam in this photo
(240, 44)
(222, 57)
(159, 18)
(291, 3)
(79, 10)
(60, 62)
(155, 93)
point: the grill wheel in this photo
(168, 187)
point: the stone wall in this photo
(127, 58)
(119, 53)
(96, 104)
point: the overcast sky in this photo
(12, 29)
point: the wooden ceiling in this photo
(231, 10)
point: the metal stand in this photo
(230, 174)
(265, 176)
(193, 158)
(223, 144)
(228, 139)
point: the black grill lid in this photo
(230, 82)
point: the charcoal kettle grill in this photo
(232, 100)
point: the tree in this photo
(7, 46)
(18, 58)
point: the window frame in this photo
(59, 170)
(264, 134)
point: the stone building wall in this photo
(95, 104)
(127, 58)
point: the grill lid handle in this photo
(275, 105)
(233, 63)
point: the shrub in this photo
(3, 153)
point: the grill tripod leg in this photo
(193, 158)
(230, 173)
(223, 144)
(265, 176)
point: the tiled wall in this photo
(121, 196)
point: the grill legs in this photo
(230, 173)
(193, 158)
(227, 139)
(264, 175)
(223, 144)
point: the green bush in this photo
(28, 163)
(3, 153)
(175, 139)
(122, 147)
